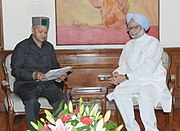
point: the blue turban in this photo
(142, 20)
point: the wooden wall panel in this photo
(178, 76)
(89, 64)
(175, 70)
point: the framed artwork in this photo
(82, 22)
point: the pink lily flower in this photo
(60, 126)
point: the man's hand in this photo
(63, 76)
(38, 75)
(118, 78)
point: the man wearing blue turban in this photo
(140, 76)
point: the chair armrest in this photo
(171, 84)
(110, 85)
(6, 87)
(7, 90)
(63, 84)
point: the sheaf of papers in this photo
(54, 74)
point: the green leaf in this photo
(119, 128)
(90, 102)
(34, 125)
(94, 111)
(42, 120)
(91, 107)
(80, 101)
(83, 128)
(74, 122)
(79, 115)
(40, 125)
(87, 110)
(98, 116)
(81, 109)
(84, 114)
(37, 126)
(99, 125)
(107, 116)
(60, 107)
(74, 129)
(110, 126)
(48, 113)
(51, 120)
(65, 106)
(62, 114)
(70, 107)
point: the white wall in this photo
(17, 19)
(170, 23)
(17, 22)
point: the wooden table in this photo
(88, 93)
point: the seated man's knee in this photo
(142, 97)
(123, 97)
(65, 98)
(32, 101)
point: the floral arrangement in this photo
(84, 117)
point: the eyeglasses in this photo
(133, 28)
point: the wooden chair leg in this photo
(119, 119)
(169, 121)
(11, 120)
(7, 122)
(103, 105)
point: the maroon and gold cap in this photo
(40, 21)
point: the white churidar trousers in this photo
(146, 108)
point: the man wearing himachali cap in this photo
(141, 75)
(31, 59)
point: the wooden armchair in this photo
(13, 104)
(170, 80)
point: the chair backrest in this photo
(166, 61)
(7, 70)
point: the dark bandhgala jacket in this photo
(27, 57)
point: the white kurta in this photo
(141, 61)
